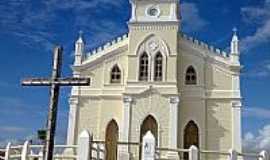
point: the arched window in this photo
(191, 77)
(144, 67)
(158, 67)
(111, 140)
(191, 137)
(115, 74)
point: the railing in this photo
(88, 149)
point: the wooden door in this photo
(191, 137)
(111, 141)
(149, 123)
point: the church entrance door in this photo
(149, 123)
(191, 137)
(111, 140)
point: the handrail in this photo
(119, 142)
(172, 150)
(214, 152)
(56, 146)
(15, 156)
(16, 147)
(249, 155)
(55, 156)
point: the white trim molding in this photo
(125, 131)
(236, 126)
(72, 120)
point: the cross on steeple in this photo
(55, 81)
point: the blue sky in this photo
(30, 28)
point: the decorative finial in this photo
(80, 39)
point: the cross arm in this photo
(58, 81)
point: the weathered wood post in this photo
(193, 153)
(264, 155)
(7, 153)
(25, 151)
(232, 154)
(148, 146)
(84, 146)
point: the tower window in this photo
(158, 67)
(191, 77)
(115, 75)
(143, 67)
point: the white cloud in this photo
(11, 129)
(256, 112)
(191, 17)
(262, 70)
(257, 143)
(259, 16)
(41, 24)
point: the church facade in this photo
(156, 78)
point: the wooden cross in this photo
(54, 82)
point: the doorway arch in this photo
(191, 136)
(148, 124)
(112, 132)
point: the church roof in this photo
(204, 46)
(108, 47)
(121, 42)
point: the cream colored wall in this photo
(100, 73)
(217, 78)
(138, 36)
(88, 116)
(213, 115)
(111, 109)
(219, 132)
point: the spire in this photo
(235, 42)
(79, 49)
(235, 53)
(80, 39)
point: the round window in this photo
(153, 12)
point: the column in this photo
(174, 101)
(124, 134)
(236, 126)
(72, 120)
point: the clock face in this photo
(153, 12)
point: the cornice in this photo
(154, 25)
(211, 57)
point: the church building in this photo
(155, 78)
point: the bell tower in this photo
(144, 11)
(153, 28)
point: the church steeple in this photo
(79, 49)
(154, 11)
(235, 52)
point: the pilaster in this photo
(174, 102)
(72, 120)
(236, 126)
(124, 134)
